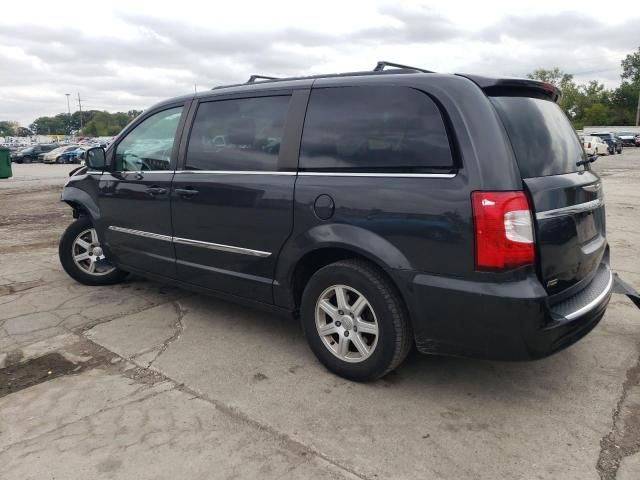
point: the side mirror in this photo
(96, 159)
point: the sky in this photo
(123, 55)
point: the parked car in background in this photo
(628, 138)
(30, 154)
(366, 206)
(74, 155)
(614, 142)
(595, 145)
(637, 140)
(55, 156)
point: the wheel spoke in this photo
(358, 306)
(358, 342)
(329, 309)
(328, 329)
(341, 298)
(94, 236)
(343, 346)
(92, 267)
(367, 327)
(81, 256)
(82, 243)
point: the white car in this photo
(595, 145)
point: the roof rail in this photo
(253, 78)
(380, 67)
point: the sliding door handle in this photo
(186, 192)
(156, 191)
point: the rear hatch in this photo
(566, 198)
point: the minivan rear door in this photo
(567, 197)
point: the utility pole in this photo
(80, 107)
(638, 111)
(69, 110)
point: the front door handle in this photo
(156, 191)
(186, 192)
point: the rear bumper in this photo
(501, 321)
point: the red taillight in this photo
(589, 145)
(504, 230)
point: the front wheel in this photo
(82, 257)
(355, 321)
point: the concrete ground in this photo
(143, 380)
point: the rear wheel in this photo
(82, 257)
(355, 321)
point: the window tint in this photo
(374, 129)
(149, 145)
(543, 140)
(243, 134)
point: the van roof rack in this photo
(381, 65)
(253, 78)
(378, 70)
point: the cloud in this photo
(130, 59)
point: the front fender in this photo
(355, 239)
(77, 197)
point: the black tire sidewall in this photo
(379, 361)
(66, 257)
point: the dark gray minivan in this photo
(386, 209)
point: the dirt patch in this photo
(32, 220)
(32, 372)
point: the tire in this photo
(105, 274)
(385, 349)
(59, 160)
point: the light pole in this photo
(69, 110)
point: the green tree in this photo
(564, 81)
(8, 128)
(631, 67)
(596, 114)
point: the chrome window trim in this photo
(143, 171)
(363, 174)
(192, 243)
(570, 210)
(237, 172)
(593, 302)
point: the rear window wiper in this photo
(590, 159)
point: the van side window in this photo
(374, 129)
(238, 135)
(150, 144)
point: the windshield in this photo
(543, 140)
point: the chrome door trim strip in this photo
(236, 172)
(570, 210)
(221, 247)
(141, 233)
(395, 175)
(593, 302)
(192, 243)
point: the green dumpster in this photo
(5, 163)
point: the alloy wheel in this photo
(346, 323)
(88, 255)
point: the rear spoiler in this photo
(515, 86)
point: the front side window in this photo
(238, 135)
(150, 144)
(374, 129)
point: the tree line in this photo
(592, 103)
(93, 123)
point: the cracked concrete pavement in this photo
(143, 380)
